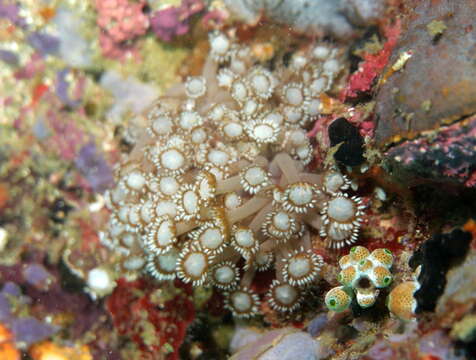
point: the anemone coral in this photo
(363, 274)
(218, 179)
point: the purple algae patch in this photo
(44, 43)
(94, 168)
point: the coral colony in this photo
(363, 273)
(217, 188)
(281, 198)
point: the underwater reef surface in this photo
(214, 179)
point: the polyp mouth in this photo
(364, 283)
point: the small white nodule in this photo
(168, 185)
(285, 294)
(195, 264)
(299, 267)
(301, 195)
(242, 301)
(211, 238)
(294, 96)
(245, 238)
(135, 180)
(321, 52)
(162, 125)
(239, 91)
(220, 44)
(195, 86)
(172, 159)
(281, 221)
(3, 239)
(100, 282)
(341, 209)
(224, 275)
(255, 176)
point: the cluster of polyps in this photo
(216, 188)
(363, 274)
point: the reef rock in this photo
(435, 85)
(459, 297)
(339, 18)
(426, 95)
(283, 344)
